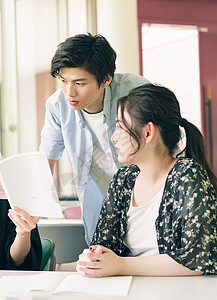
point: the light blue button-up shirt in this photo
(66, 128)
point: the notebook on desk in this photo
(55, 283)
(28, 183)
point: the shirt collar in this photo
(107, 103)
(78, 117)
(106, 108)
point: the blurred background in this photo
(171, 42)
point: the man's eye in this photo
(79, 83)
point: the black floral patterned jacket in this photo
(187, 221)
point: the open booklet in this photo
(28, 183)
(58, 283)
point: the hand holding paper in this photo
(23, 221)
(29, 185)
(22, 242)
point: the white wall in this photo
(27, 115)
(117, 21)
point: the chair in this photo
(73, 212)
(48, 262)
(70, 213)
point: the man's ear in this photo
(107, 81)
(148, 132)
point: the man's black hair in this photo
(91, 53)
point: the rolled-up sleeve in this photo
(52, 143)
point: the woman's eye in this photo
(119, 127)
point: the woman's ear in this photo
(148, 132)
(107, 81)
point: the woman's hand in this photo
(99, 262)
(23, 221)
(107, 263)
(22, 242)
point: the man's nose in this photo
(71, 90)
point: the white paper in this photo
(28, 183)
(21, 285)
(115, 285)
(53, 283)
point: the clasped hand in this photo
(99, 262)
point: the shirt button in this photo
(84, 182)
(88, 160)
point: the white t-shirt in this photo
(103, 166)
(141, 237)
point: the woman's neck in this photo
(151, 179)
(156, 167)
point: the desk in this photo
(150, 288)
(68, 236)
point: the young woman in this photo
(159, 215)
(20, 245)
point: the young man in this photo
(80, 117)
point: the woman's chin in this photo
(121, 159)
(124, 160)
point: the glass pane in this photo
(171, 58)
(37, 39)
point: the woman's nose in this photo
(114, 138)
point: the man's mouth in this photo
(73, 102)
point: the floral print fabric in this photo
(187, 221)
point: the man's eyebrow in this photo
(77, 79)
(80, 79)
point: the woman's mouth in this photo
(117, 149)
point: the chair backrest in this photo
(48, 262)
(73, 212)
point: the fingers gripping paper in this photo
(28, 184)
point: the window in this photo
(32, 30)
(171, 58)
